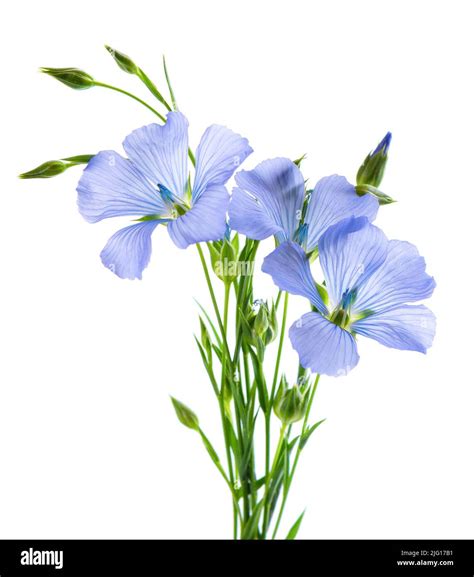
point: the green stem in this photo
(153, 89)
(272, 395)
(276, 458)
(236, 510)
(161, 117)
(219, 467)
(280, 348)
(297, 456)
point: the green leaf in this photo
(250, 529)
(307, 434)
(207, 365)
(210, 449)
(185, 415)
(256, 485)
(173, 99)
(211, 324)
(299, 160)
(295, 528)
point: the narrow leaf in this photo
(307, 434)
(295, 528)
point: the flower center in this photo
(176, 206)
(341, 315)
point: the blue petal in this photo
(248, 216)
(206, 220)
(350, 252)
(322, 346)
(161, 152)
(290, 270)
(268, 200)
(334, 199)
(128, 251)
(218, 156)
(400, 279)
(409, 328)
(112, 186)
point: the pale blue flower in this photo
(369, 279)
(153, 185)
(269, 200)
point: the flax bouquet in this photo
(367, 284)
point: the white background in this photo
(89, 444)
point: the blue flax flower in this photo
(153, 185)
(369, 280)
(269, 200)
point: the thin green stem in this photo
(219, 467)
(153, 89)
(103, 85)
(272, 395)
(297, 456)
(280, 348)
(236, 510)
(266, 504)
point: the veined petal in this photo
(290, 271)
(112, 186)
(128, 251)
(218, 156)
(248, 216)
(400, 279)
(350, 252)
(161, 152)
(204, 221)
(334, 199)
(322, 346)
(409, 328)
(275, 191)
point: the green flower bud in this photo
(55, 167)
(46, 170)
(262, 324)
(205, 338)
(290, 403)
(72, 77)
(185, 415)
(224, 260)
(372, 169)
(123, 61)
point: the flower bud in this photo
(372, 169)
(72, 77)
(55, 167)
(46, 170)
(123, 61)
(185, 415)
(291, 402)
(224, 260)
(262, 324)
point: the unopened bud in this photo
(123, 61)
(372, 169)
(72, 77)
(185, 415)
(291, 402)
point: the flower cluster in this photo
(368, 280)
(366, 285)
